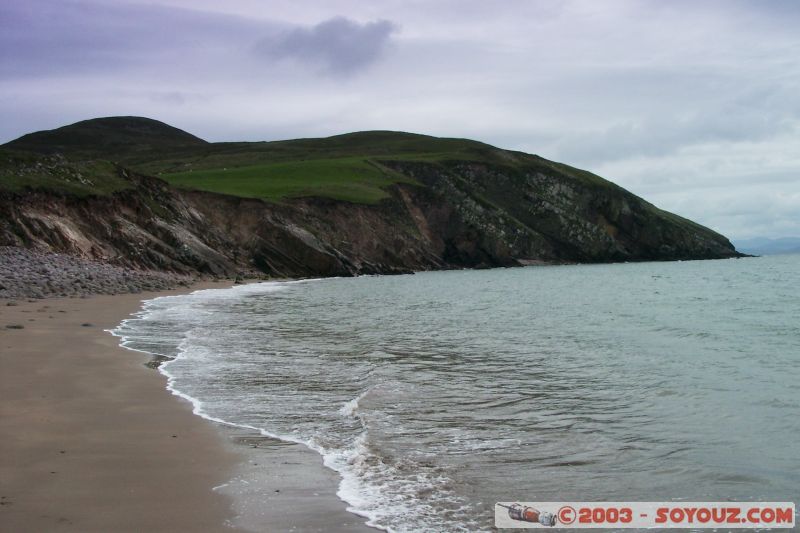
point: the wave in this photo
(390, 495)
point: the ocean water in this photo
(437, 394)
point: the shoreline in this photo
(94, 441)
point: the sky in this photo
(693, 105)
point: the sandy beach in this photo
(92, 440)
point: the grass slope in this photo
(351, 179)
(344, 167)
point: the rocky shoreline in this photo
(29, 273)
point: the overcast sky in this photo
(694, 105)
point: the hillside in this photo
(124, 139)
(140, 193)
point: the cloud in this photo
(44, 38)
(339, 46)
(169, 97)
(692, 105)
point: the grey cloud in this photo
(339, 46)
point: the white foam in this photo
(350, 408)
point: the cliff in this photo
(372, 202)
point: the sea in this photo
(437, 394)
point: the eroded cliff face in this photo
(147, 227)
(460, 215)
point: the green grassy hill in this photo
(344, 167)
(350, 167)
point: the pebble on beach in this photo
(26, 273)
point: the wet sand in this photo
(92, 440)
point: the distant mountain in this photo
(364, 202)
(765, 246)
